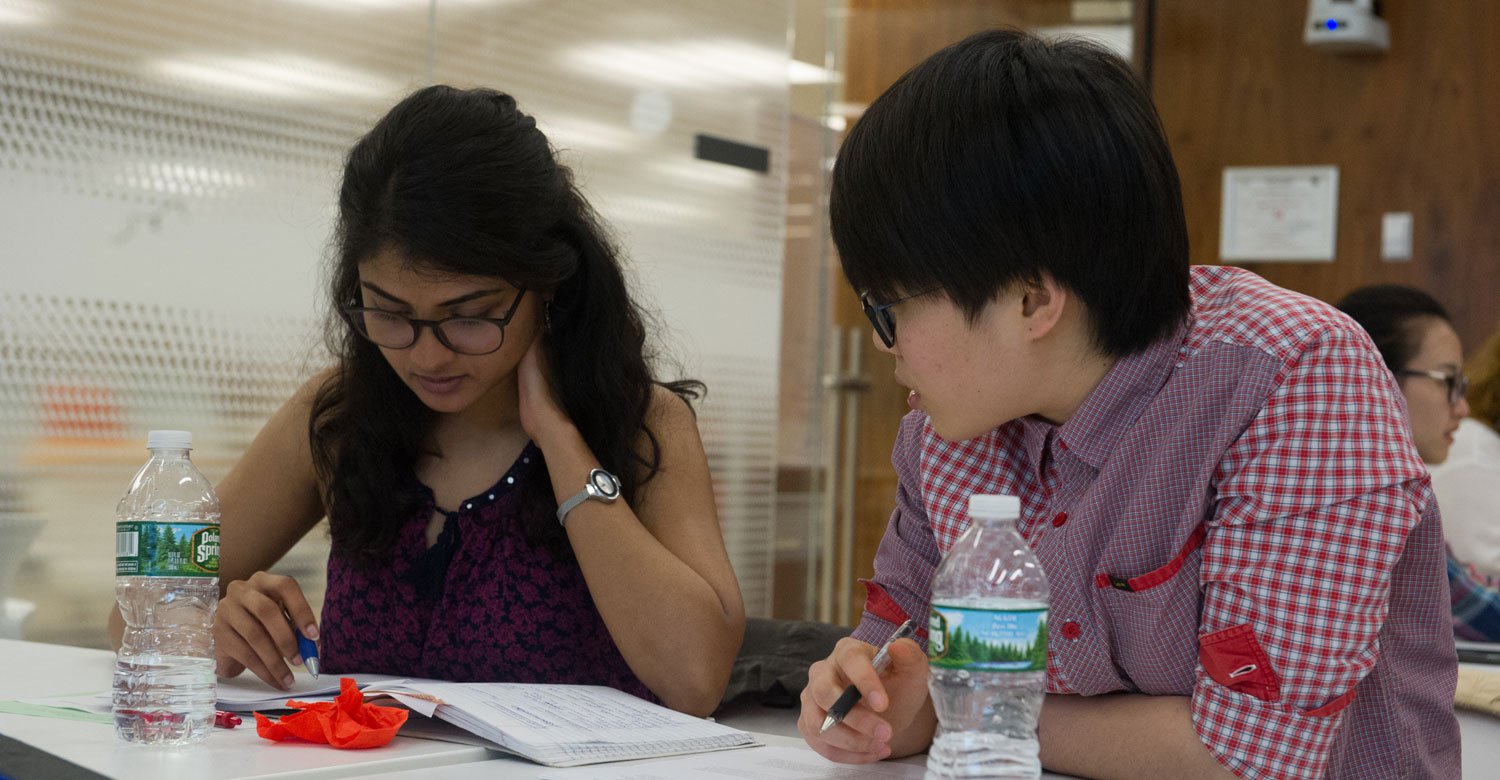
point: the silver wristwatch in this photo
(602, 486)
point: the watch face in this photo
(605, 483)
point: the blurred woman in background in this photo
(1468, 483)
(1416, 338)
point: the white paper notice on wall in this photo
(1280, 214)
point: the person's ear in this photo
(1042, 305)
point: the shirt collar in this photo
(1113, 406)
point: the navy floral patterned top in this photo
(480, 605)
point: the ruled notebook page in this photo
(569, 725)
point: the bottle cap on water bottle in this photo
(999, 507)
(169, 440)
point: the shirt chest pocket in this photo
(1152, 618)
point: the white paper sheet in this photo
(564, 725)
(769, 763)
(247, 692)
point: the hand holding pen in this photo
(264, 624)
(851, 694)
(873, 700)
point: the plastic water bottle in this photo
(167, 587)
(987, 649)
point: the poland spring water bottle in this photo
(987, 648)
(167, 587)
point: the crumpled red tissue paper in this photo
(346, 723)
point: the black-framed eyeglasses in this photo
(880, 315)
(1457, 383)
(464, 335)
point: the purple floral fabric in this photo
(508, 611)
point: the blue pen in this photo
(309, 652)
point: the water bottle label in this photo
(148, 549)
(987, 640)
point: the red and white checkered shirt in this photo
(1236, 514)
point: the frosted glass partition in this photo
(167, 175)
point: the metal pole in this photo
(821, 537)
(848, 473)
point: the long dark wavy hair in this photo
(463, 182)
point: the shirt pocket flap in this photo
(1234, 659)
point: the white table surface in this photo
(30, 669)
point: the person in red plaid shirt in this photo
(1245, 557)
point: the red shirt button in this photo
(1071, 630)
(1062, 517)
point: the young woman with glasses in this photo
(511, 494)
(1468, 482)
(1416, 337)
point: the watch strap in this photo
(567, 506)
(591, 490)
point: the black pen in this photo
(851, 695)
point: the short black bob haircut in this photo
(1005, 157)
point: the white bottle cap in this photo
(169, 440)
(1000, 507)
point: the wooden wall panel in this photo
(885, 38)
(1416, 129)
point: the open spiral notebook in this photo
(556, 725)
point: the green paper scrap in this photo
(40, 711)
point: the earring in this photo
(547, 316)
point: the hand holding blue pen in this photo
(263, 625)
(309, 651)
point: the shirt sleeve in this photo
(1316, 499)
(908, 553)
(1476, 603)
